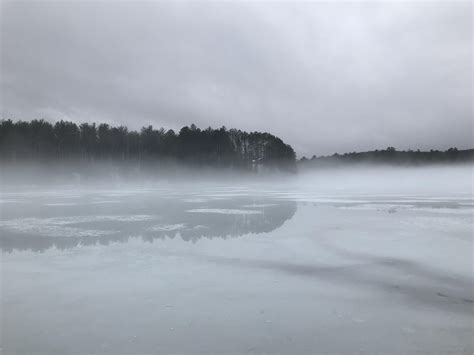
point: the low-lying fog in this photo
(368, 260)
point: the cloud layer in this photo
(323, 76)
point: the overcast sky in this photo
(325, 77)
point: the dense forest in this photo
(40, 140)
(390, 156)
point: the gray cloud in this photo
(323, 76)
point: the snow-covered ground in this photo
(309, 266)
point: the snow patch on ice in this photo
(11, 201)
(47, 227)
(199, 226)
(194, 200)
(60, 204)
(169, 227)
(263, 205)
(463, 211)
(223, 211)
(60, 226)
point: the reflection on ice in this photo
(214, 218)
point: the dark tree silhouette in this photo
(40, 140)
(391, 156)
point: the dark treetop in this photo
(390, 156)
(41, 140)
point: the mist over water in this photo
(361, 260)
(236, 177)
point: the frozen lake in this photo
(245, 268)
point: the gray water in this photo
(315, 265)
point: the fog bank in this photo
(361, 179)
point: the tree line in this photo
(64, 140)
(391, 155)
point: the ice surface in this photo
(267, 268)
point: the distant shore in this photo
(390, 156)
